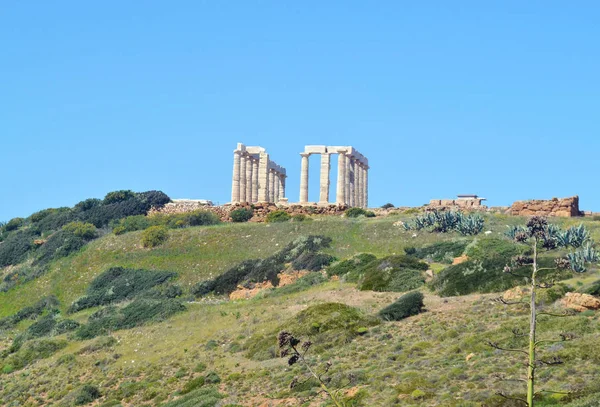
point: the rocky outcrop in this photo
(580, 302)
(565, 207)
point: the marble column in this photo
(351, 182)
(263, 178)
(235, 184)
(340, 190)
(255, 180)
(366, 187)
(243, 162)
(357, 183)
(324, 178)
(272, 186)
(249, 168)
(282, 190)
(304, 178)
(277, 186)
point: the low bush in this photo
(312, 261)
(250, 272)
(356, 212)
(487, 275)
(60, 244)
(300, 218)
(118, 196)
(34, 350)
(86, 394)
(327, 325)
(139, 312)
(85, 231)
(16, 247)
(443, 252)
(14, 224)
(154, 236)
(118, 284)
(344, 267)
(202, 397)
(241, 215)
(21, 274)
(591, 289)
(407, 305)
(132, 223)
(387, 206)
(103, 342)
(193, 384)
(153, 199)
(278, 216)
(392, 273)
(46, 304)
(87, 204)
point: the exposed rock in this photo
(565, 207)
(580, 302)
(515, 294)
(460, 259)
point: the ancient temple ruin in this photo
(352, 175)
(255, 177)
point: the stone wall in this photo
(462, 204)
(565, 207)
(261, 210)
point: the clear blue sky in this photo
(444, 97)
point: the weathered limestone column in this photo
(366, 187)
(263, 178)
(235, 184)
(324, 179)
(304, 178)
(347, 180)
(249, 167)
(277, 186)
(243, 178)
(357, 186)
(272, 176)
(255, 180)
(351, 182)
(340, 191)
(281, 181)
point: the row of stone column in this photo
(255, 179)
(352, 179)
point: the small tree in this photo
(543, 236)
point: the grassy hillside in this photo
(436, 358)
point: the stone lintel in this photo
(315, 149)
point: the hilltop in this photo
(102, 320)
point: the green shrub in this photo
(153, 199)
(487, 275)
(87, 204)
(241, 215)
(344, 267)
(86, 394)
(494, 247)
(407, 305)
(591, 289)
(131, 224)
(278, 216)
(118, 196)
(34, 350)
(356, 212)
(86, 231)
(118, 284)
(327, 325)
(202, 218)
(312, 261)
(254, 271)
(300, 218)
(202, 397)
(154, 236)
(193, 385)
(14, 224)
(60, 244)
(212, 378)
(16, 247)
(21, 274)
(392, 273)
(387, 206)
(49, 303)
(439, 252)
(139, 312)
